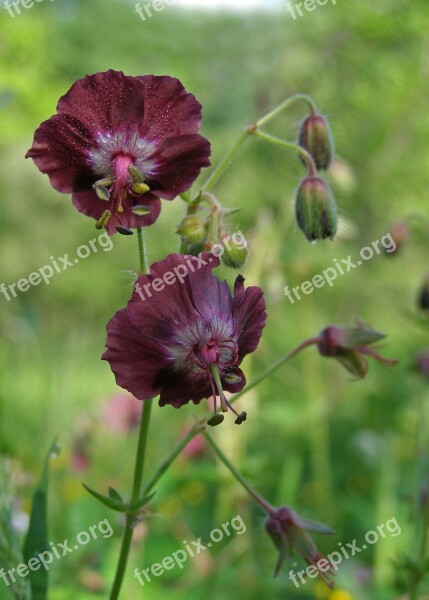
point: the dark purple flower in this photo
(183, 335)
(119, 144)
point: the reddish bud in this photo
(289, 532)
(316, 211)
(316, 137)
(350, 346)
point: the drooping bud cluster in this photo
(316, 210)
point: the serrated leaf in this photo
(37, 537)
(117, 505)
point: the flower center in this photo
(213, 357)
(127, 181)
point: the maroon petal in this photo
(134, 364)
(169, 109)
(170, 309)
(60, 151)
(179, 161)
(108, 101)
(249, 316)
(89, 204)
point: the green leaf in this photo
(115, 495)
(37, 536)
(142, 502)
(113, 503)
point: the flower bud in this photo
(316, 210)
(424, 295)
(316, 137)
(193, 230)
(234, 256)
(350, 346)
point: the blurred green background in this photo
(340, 452)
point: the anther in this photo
(103, 220)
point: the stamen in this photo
(140, 188)
(136, 174)
(223, 401)
(103, 220)
(232, 378)
(140, 210)
(102, 192)
(104, 182)
(124, 230)
(216, 420)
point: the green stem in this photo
(135, 496)
(285, 105)
(139, 463)
(195, 430)
(270, 370)
(311, 166)
(142, 251)
(253, 493)
(226, 161)
(252, 130)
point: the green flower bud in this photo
(193, 230)
(234, 256)
(316, 137)
(316, 211)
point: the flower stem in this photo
(311, 166)
(226, 161)
(142, 251)
(195, 430)
(285, 105)
(135, 496)
(139, 463)
(270, 370)
(253, 493)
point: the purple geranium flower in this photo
(119, 144)
(183, 335)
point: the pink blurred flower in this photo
(122, 413)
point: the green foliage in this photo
(338, 451)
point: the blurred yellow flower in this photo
(340, 595)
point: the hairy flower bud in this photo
(290, 532)
(234, 256)
(350, 346)
(193, 230)
(316, 210)
(316, 137)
